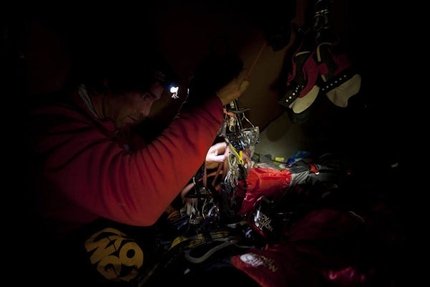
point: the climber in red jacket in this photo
(87, 162)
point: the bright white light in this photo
(174, 89)
(174, 92)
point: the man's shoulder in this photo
(59, 110)
(61, 104)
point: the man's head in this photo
(127, 84)
(130, 107)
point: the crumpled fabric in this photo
(262, 181)
(321, 248)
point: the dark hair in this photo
(129, 59)
(124, 72)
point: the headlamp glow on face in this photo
(169, 85)
(174, 90)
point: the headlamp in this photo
(168, 82)
(174, 90)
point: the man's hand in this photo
(234, 89)
(216, 155)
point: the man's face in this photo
(132, 107)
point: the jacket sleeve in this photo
(81, 164)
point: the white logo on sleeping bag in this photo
(256, 260)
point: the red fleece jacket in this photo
(85, 172)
